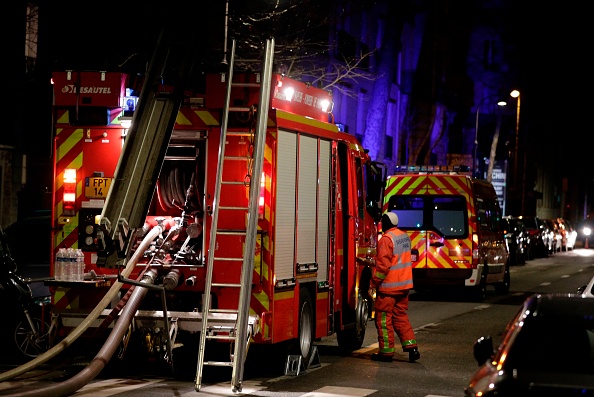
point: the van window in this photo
(447, 215)
(482, 213)
(489, 214)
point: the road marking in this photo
(545, 284)
(337, 391)
(430, 325)
(367, 348)
(109, 387)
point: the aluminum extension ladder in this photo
(238, 333)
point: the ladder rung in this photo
(240, 133)
(223, 328)
(230, 232)
(219, 363)
(226, 285)
(246, 85)
(233, 208)
(221, 337)
(228, 259)
(239, 108)
(242, 158)
(234, 183)
(223, 310)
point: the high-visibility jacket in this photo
(393, 263)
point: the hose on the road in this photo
(87, 374)
(154, 233)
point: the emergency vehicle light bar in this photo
(431, 168)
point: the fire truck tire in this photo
(304, 343)
(352, 338)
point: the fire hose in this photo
(67, 387)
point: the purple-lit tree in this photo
(302, 49)
(376, 114)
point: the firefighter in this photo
(392, 281)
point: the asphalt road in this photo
(446, 327)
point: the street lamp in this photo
(476, 129)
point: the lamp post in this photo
(516, 94)
(476, 129)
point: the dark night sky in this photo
(553, 64)
(556, 79)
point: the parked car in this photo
(568, 234)
(537, 236)
(554, 236)
(587, 291)
(515, 234)
(547, 349)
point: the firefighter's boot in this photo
(381, 357)
(413, 355)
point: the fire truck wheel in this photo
(352, 338)
(306, 323)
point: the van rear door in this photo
(434, 211)
(438, 228)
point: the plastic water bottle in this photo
(70, 264)
(80, 265)
(59, 264)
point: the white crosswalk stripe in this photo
(109, 387)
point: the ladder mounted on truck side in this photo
(145, 146)
(241, 332)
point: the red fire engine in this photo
(251, 174)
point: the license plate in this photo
(97, 187)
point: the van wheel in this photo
(503, 287)
(480, 291)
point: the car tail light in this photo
(475, 251)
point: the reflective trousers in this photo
(391, 316)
